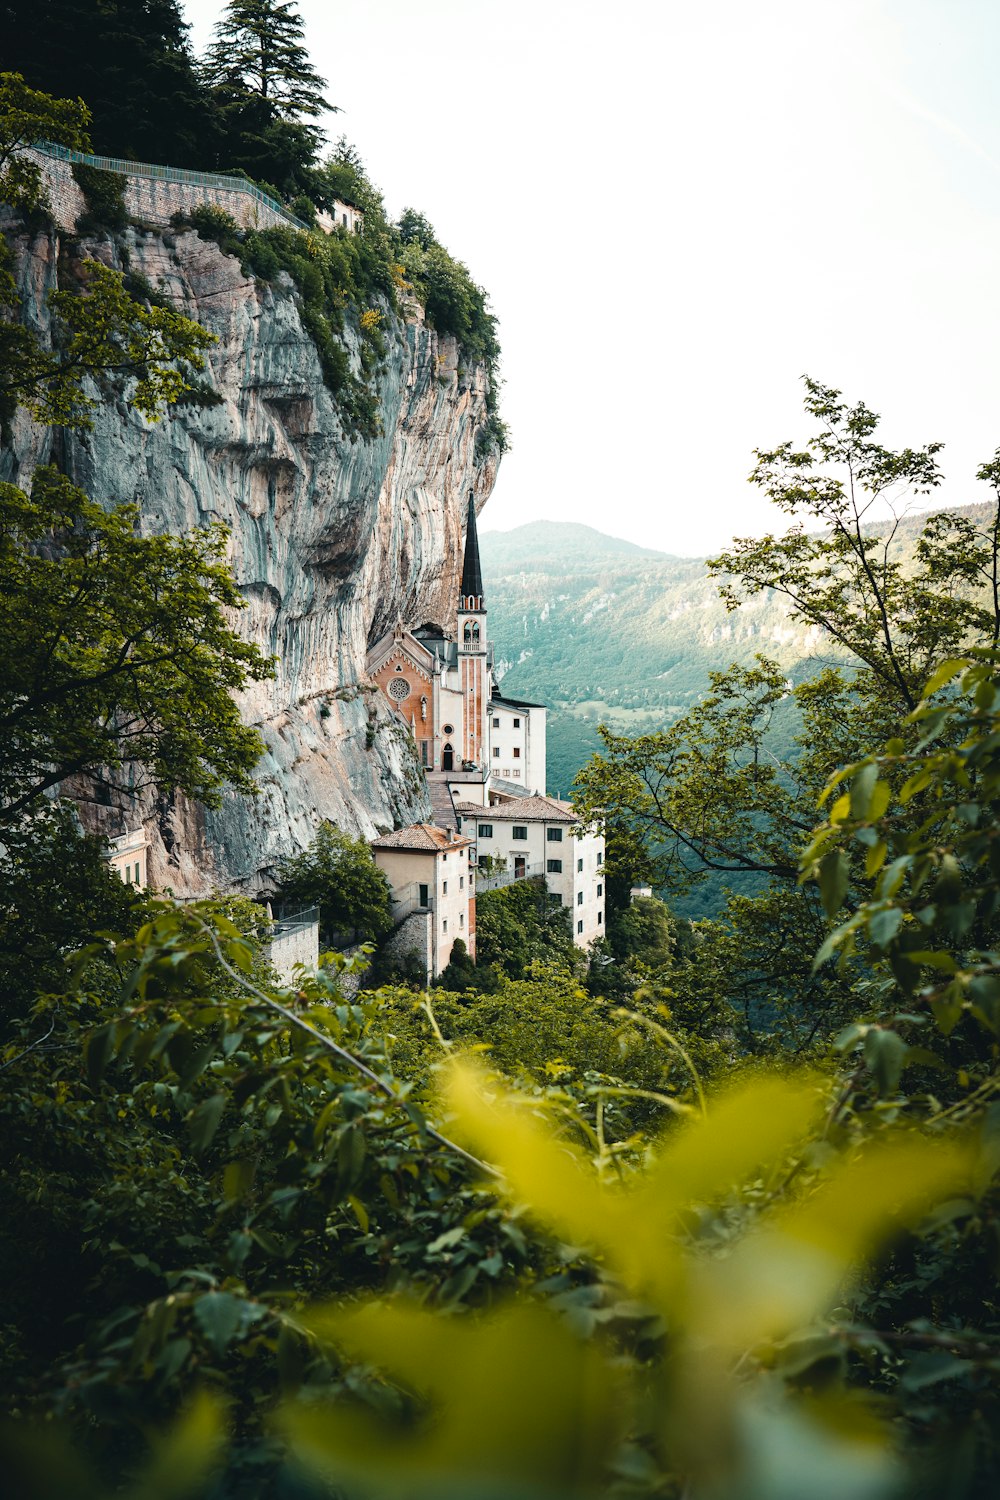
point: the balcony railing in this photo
(497, 879)
(408, 899)
(285, 925)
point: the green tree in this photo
(131, 62)
(519, 924)
(120, 651)
(339, 875)
(56, 890)
(266, 91)
(714, 792)
(26, 116)
(258, 50)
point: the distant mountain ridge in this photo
(534, 541)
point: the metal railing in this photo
(497, 879)
(169, 174)
(407, 899)
(284, 926)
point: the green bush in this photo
(105, 196)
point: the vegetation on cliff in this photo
(251, 107)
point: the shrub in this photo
(104, 192)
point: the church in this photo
(442, 685)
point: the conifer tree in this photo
(258, 50)
(130, 61)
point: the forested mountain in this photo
(604, 631)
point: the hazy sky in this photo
(678, 209)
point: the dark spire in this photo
(471, 592)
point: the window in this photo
(444, 925)
(554, 866)
(423, 895)
(444, 886)
(496, 723)
(600, 889)
(496, 752)
(579, 926)
(461, 920)
(517, 752)
(486, 830)
(425, 758)
(554, 835)
(579, 866)
(517, 723)
(579, 898)
(461, 884)
(600, 859)
(449, 729)
(137, 872)
(599, 919)
(519, 831)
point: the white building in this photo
(128, 855)
(517, 742)
(433, 891)
(342, 216)
(518, 838)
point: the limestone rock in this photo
(331, 541)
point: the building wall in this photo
(450, 886)
(413, 935)
(579, 883)
(418, 704)
(517, 745)
(589, 905)
(128, 857)
(343, 216)
(155, 200)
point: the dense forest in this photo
(709, 1213)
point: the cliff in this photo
(331, 541)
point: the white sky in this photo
(678, 208)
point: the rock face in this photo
(332, 542)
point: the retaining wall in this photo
(154, 194)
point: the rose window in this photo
(399, 689)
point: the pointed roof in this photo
(472, 573)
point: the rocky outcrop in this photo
(331, 541)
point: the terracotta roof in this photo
(520, 810)
(423, 837)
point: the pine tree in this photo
(258, 51)
(129, 60)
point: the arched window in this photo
(475, 631)
(467, 632)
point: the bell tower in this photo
(473, 658)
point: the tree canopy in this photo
(339, 875)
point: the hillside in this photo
(605, 631)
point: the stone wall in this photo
(154, 200)
(413, 935)
(296, 943)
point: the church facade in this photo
(441, 684)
